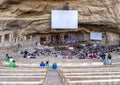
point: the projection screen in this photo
(64, 19)
(96, 36)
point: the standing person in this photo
(25, 54)
(103, 58)
(109, 58)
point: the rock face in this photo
(34, 16)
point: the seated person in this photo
(54, 66)
(91, 56)
(65, 57)
(94, 56)
(33, 56)
(11, 59)
(7, 58)
(12, 64)
(81, 56)
(28, 56)
(47, 64)
(42, 64)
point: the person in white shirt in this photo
(11, 59)
(28, 56)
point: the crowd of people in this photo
(103, 53)
(79, 52)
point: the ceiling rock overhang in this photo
(34, 16)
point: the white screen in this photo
(95, 36)
(64, 19)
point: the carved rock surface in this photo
(33, 16)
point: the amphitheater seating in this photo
(23, 76)
(72, 72)
(106, 75)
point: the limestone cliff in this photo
(33, 16)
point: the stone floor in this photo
(53, 78)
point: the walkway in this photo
(53, 78)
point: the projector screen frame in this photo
(95, 36)
(60, 21)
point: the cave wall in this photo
(34, 16)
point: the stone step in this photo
(21, 83)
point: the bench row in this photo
(22, 83)
(94, 76)
(23, 76)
